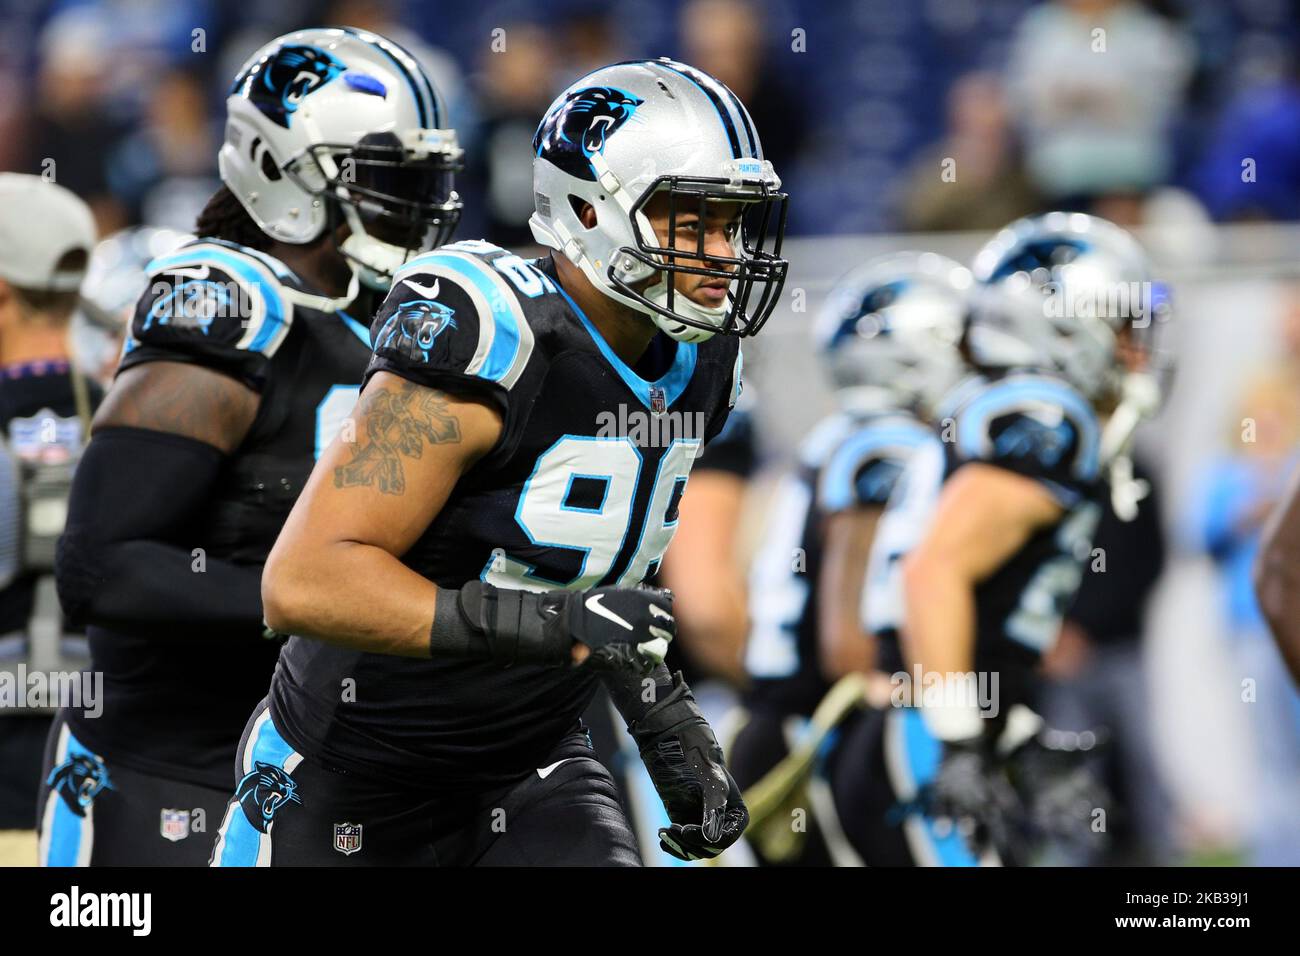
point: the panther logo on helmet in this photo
(580, 128)
(279, 83)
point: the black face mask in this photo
(757, 274)
(406, 201)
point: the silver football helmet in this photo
(627, 133)
(1054, 292)
(890, 331)
(331, 126)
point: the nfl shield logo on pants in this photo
(175, 825)
(347, 838)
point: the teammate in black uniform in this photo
(889, 338)
(524, 436)
(985, 541)
(46, 235)
(240, 366)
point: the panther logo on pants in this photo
(78, 780)
(263, 791)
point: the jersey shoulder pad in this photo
(212, 303)
(458, 313)
(864, 465)
(1036, 425)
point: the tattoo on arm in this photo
(398, 423)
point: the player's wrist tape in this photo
(505, 625)
(953, 722)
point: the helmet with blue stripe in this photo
(327, 127)
(890, 331)
(1058, 292)
(635, 131)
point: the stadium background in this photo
(1184, 124)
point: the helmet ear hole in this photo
(269, 169)
(584, 210)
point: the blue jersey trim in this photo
(274, 317)
(1005, 396)
(359, 330)
(506, 337)
(673, 382)
(836, 484)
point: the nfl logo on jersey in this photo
(658, 400)
(347, 838)
(175, 825)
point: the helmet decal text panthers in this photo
(277, 84)
(581, 126)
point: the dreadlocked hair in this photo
(224, 217)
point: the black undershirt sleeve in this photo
(127, 559)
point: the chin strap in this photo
(324, 303)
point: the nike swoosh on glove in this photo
(625, 628)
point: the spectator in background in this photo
(1238, 493)
(71, 123)
(516, 86)
(1094, 86)
(164, 172)
(988, 186)
(1262, 124)
(724, 38)
(586, 35)
(1096, 680)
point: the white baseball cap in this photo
(40, 223)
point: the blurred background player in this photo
(1007, 504)
(46, 236)
(240, 366)
(1096, 677)
(888, 338)
(529, 430)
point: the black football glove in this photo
(685, 762)
(1055, 776)
(626, 629)
(971, 791)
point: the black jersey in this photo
(581, 490)
(177, 707)
(1035, 425)
(848, 461)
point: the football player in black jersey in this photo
(459, 576)
(243, 359)
(984, 542)
(46, 236)
(888, 337)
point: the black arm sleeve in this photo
(127, 558)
